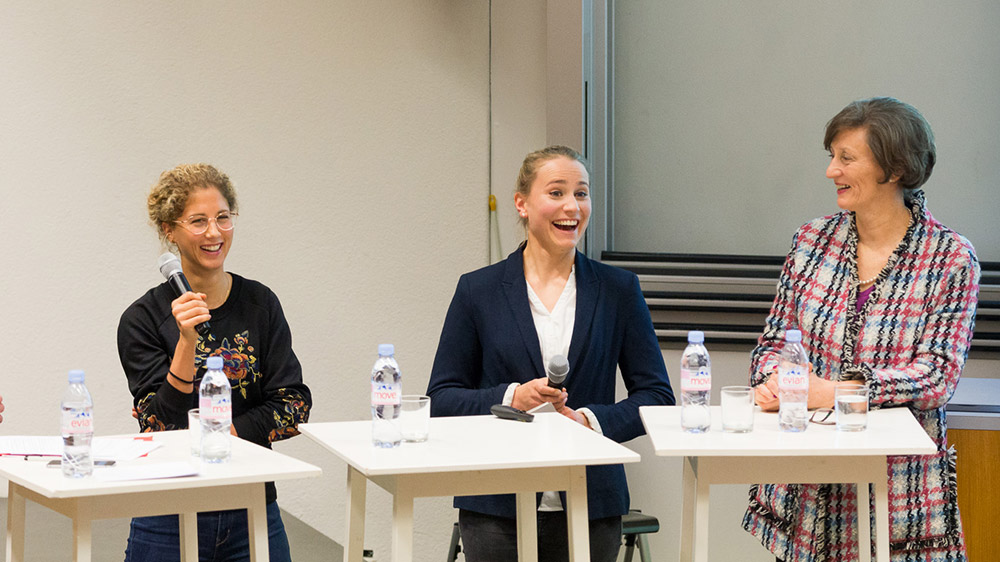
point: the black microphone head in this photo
(172, 271)
(169, 265)
(558, 369)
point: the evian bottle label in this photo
(386, 394)
(792, 377)
(698, 380)
(77, 421)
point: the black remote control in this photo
(511, 413)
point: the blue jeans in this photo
(222, 537)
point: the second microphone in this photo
(556, 371)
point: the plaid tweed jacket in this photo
(910, 342)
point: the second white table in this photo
(470, 455)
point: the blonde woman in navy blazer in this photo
(490, 341)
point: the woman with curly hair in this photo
(193, 208)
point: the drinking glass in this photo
(194, 430)
(415, 417)
(737, 409)
(851, 405)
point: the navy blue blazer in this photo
(489, 341)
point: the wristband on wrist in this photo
(171, 373)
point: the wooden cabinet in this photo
(978, 463)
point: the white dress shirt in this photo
(555, 331)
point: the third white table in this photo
(821, 454)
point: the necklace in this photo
(875, 278)
(869, 281)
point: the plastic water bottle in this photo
(387, 394)
(215, 404)
(77, 428)
(696, 385)
(793, 384)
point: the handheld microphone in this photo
(556, 370)
(171, 269)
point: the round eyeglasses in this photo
(198, 224)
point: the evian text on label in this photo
(793, 378)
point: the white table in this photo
(236, 485)
(821, 454)
(471, 455)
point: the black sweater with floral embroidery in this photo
(251, 334)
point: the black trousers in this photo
(488, 538)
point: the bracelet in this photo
(171, 373)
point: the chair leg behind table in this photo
(15, 525)
(644, 548)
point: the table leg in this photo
(882, 513)
(402, 525)
(864, 523)
(257, 525)
(15, 524)
(577, 515)
(81, 539)
(701, 519)
(527, 527)
(689, 482)
(189, 536)
(355, 539)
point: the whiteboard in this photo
(720, 109)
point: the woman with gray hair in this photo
(885, 296)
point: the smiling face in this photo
(206, 252)
(557, 207)
(856, 174)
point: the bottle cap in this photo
(386, 349)
(214, 362)
(76, 375)
(793, 336)
(696, 336)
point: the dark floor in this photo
(49, 537)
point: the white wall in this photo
(518, 109)
(356, 134)
(535, 100)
